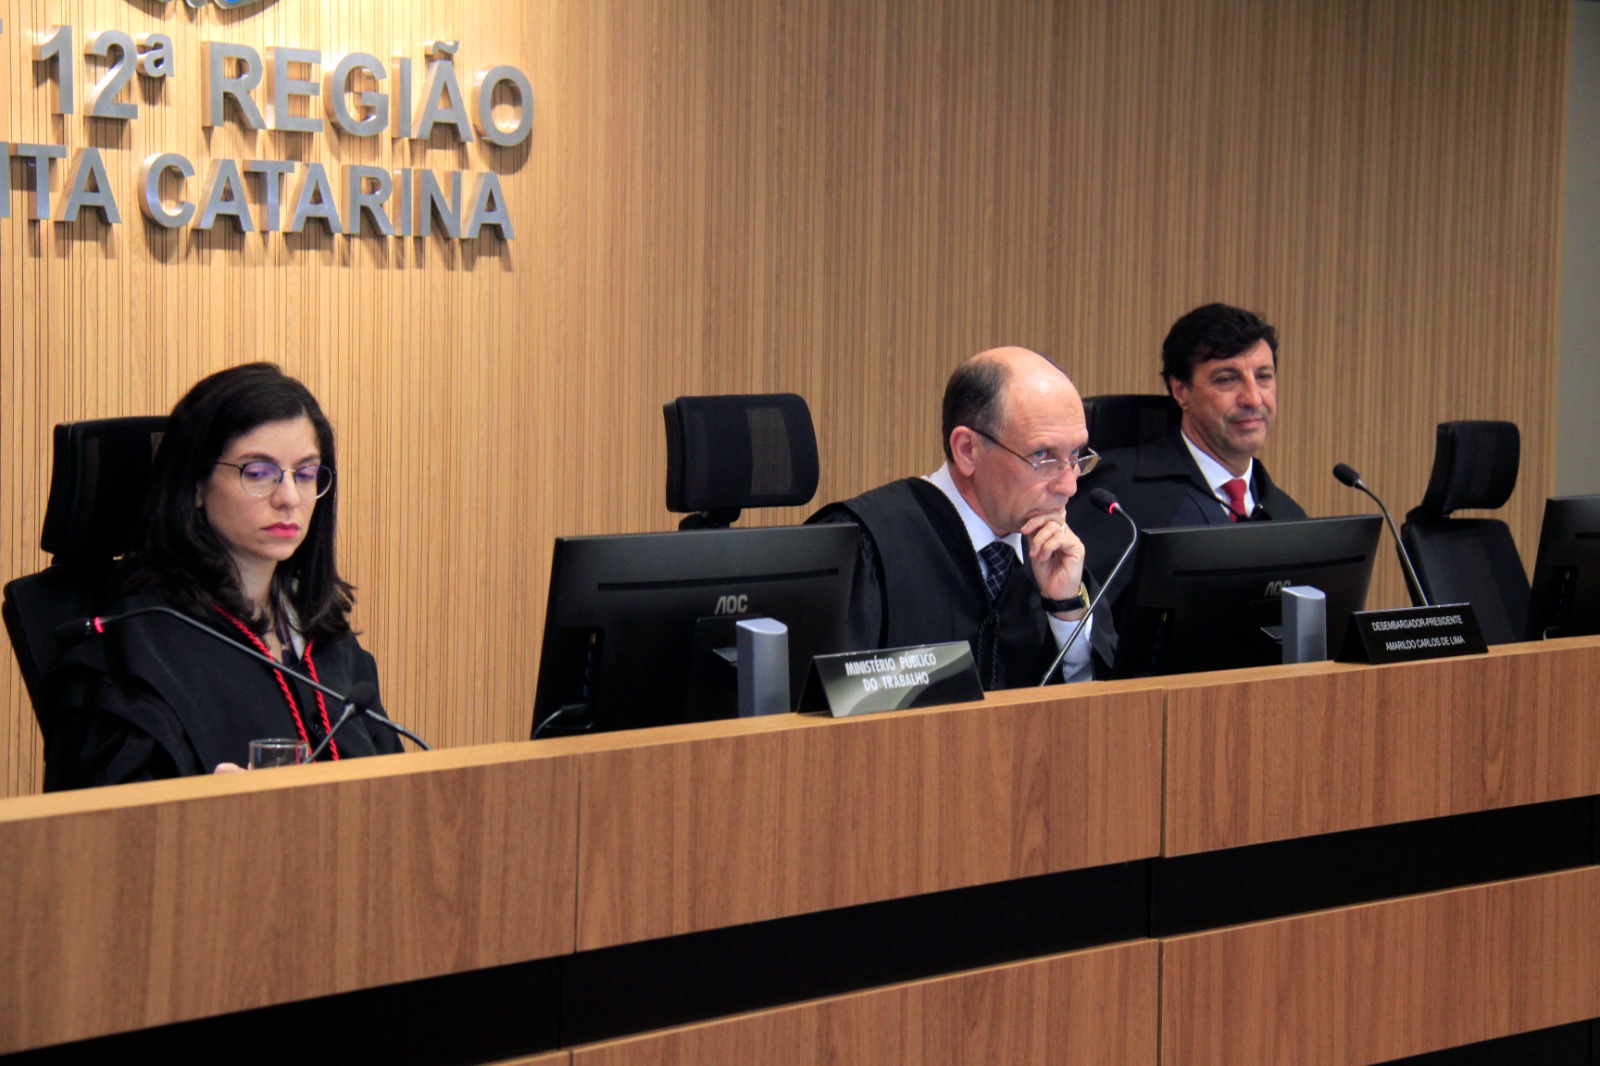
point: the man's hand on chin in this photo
(1057, 555)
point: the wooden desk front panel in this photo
(1317, 750)
(1095, 1008)
(149, 904)
(812, 815)
(1383, 980)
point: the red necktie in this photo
(1235, 490)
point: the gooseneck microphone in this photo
(359, 700)
(1347, 476)
(1107, 503)
(362, 695)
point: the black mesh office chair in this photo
(1127, 421)
(1471, 560)
(726, 453)
(98, 483)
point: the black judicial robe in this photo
(918, 581)
(152, 698)
(1161, 486)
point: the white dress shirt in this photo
(1217, 475)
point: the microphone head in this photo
(1102, 499)
(1346, 475)
(73, 632)
(364, 694)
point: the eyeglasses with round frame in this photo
(1083, 460)
(262, 478)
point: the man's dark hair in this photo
(972, 398)
(178, 547)
(1215, 331)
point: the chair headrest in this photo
(98, 485)
(1127, 421)
(1474, 466)
(731, 452)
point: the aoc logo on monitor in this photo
(734, 604)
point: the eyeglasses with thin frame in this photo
(262, 478)
(1049, 468)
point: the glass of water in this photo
(278, 751)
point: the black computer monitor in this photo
(1201, 597)
(1565, 601)
(637, 623)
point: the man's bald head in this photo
(976, 392)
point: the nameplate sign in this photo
(1408, 634)
(893, 679)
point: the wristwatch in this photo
(1080, 602)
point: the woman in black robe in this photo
(238, 532)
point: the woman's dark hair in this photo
(177, 546)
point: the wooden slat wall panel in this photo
(1092, 1007)
(1385, 980)
(1348, 748)
(720, 831)
(837, 198)
(122, 915)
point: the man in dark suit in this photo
(1220, 364)
(980, 550)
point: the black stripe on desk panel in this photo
(1563, 1045)
(1260, 881)
(658, 983)
(477, 1016)
(522, 1009)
